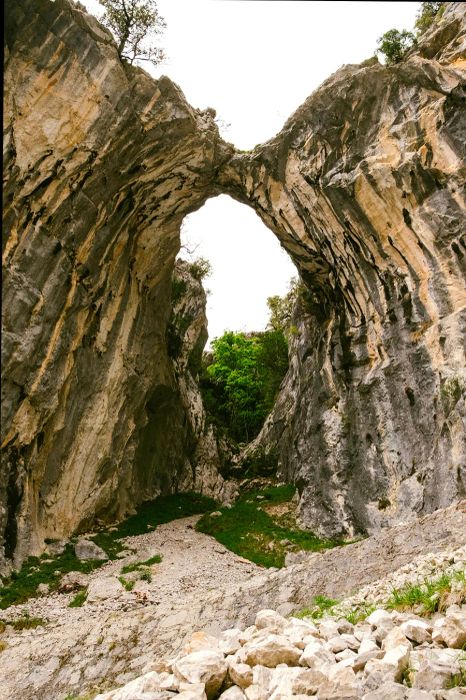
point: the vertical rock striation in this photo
(364, 187)
(201, 448)
(101, 165)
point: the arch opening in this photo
(248, 264)
(224, 333)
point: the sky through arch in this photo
(248, 264)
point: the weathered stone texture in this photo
(102, 163)
(363, 187)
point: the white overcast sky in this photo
(255, 62)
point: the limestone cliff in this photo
(363, 187)
(101, 165)
(201, 449)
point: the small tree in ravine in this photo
(200, 268)
(241, 378)
(136, 24)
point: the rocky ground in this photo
(388, 655)
(117, 634)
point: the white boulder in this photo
(270, 651)
(205, 666)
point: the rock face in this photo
(362, 187)
(186, 337)
(102, 163)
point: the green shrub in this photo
(426, 15)
(395, 44)
(179, 288)
(27, 623)
(200, 268)
(240, 384)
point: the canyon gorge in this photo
(364, 188)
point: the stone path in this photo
(117, 635)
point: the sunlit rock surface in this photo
(102, 163)
(363, 187)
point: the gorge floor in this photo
(117, 635)
(193, 564)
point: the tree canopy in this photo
(241, 379)
(136, 24)
(394, 44)
(426, 15)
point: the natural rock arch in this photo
(362, 187)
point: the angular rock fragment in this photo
(86, 550)
(205, 666)
(272, 650)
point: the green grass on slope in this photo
(422, 598)
(22, 584)
(248, 530)
(163, 510)
(431, 595)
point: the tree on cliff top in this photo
(426, 15)
(394, 44)
(136, 25)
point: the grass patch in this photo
(137, 565)
(22, 585)
(27, 623)
(163, 510)
(320, 604)
(3, 646)
(248, 530)
(359, 613)
(79, 599)
(127, 585)
(430, 596)
(425, 598)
